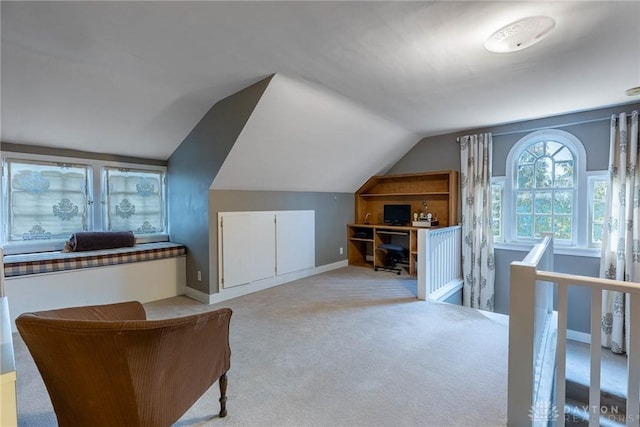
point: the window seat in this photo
(51, 280)
(49, 262)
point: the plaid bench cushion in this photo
(48, 262)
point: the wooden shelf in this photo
(438, 189)
(429, 193)
(357, 239)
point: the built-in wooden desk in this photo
(363, 239)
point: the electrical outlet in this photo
(341, 251)
(199, 276)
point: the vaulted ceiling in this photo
(133, 78)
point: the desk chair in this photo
(393, 255)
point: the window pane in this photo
(496, 227)
(135, 200)
(496, 210)
(598, 205)
(524, 226)
(525, 177)
(46, 200)
(598, 211)
(563, 202)
(544, 167)
(562, 226)
(524, 203)
(600, 190)
(563, 174)
(563, 155)
(538, 149)
(543, 202)
(496, 192)
(552, 148)
(526, 158)
(596, 233)
(543, 225)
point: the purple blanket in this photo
(94, 240)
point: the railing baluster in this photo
(561, 353)
(524, 339)
(633, 363)
(596, 352)
(439, 268)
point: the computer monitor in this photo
(397, 214)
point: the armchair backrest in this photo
(108, 365)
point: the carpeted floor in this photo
(350, 347)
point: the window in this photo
(497, 190)
(134, 200)
(598, 185)
(544, 191)
(546, 188)
(47, 198)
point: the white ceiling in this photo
(301, 137)
(133, 78)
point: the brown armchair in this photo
(106, 365)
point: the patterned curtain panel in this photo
(478, 266)
(135, 201)
(47, 200)
(620, 257)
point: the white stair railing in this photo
(440, 262)
(537, 342)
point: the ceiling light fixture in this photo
(634, 91)
(520, 34)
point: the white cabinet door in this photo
(255, 246)
(295, 241)
(235, 249)
(263, 245)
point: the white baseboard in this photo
(446, 291)
(238, 291)
(197, 295)
(332, 266)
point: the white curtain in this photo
(620, 257)
(478, 268)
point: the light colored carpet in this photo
(350, 347)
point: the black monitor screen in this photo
(397, 214)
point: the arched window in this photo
(545, 173)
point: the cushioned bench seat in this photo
(48, 262)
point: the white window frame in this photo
(96, 166)
(579, 244)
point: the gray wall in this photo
(65, 152)
(332, 212)
(578, 316)
(191, 170)
(591, 127)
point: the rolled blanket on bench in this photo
(95, 240)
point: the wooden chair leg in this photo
(223, 395)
